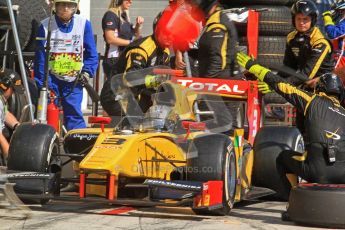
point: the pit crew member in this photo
(9, 81)
(336, 32)
(73, 54)
(324, 117)
(218, 42)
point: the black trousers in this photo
(313, 167)
(109, 67)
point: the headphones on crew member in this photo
(7, 81)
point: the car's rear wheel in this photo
(212, 157)
(268, 144)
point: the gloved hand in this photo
(83, 78)
(263, 87)
(327, 18)
(152, 81)
(251, 65)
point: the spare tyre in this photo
(273, 21)
(30, 13)
(318, 204)
(271, 49)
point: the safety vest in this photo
(66, 53)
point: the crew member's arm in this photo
(11, 120)
(90, 51)
(292, 94)
(319, 52)
(138, 27)
(179, 62)
(4, 145)
(136, 59)
(333, 31)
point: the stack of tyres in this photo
(274, 25)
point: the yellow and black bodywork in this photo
(123, 157)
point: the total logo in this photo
(210, 86)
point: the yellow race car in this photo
(182, 151)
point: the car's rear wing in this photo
(238, 89)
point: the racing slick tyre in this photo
(212, 157)
(271, 49)
(34, 148)
(273, 21)
(318, 204)
(268, 144)
(16, 103)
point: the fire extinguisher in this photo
(53, 113)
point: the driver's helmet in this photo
(332, 85)
(158, 117)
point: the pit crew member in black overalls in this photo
(324, 117)
(307, 50)
(142, 53)
(217, 48)
(218, 43)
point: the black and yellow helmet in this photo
(10, 79)
(332, 85)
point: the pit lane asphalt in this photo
(80, 215)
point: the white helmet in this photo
(70, 1)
